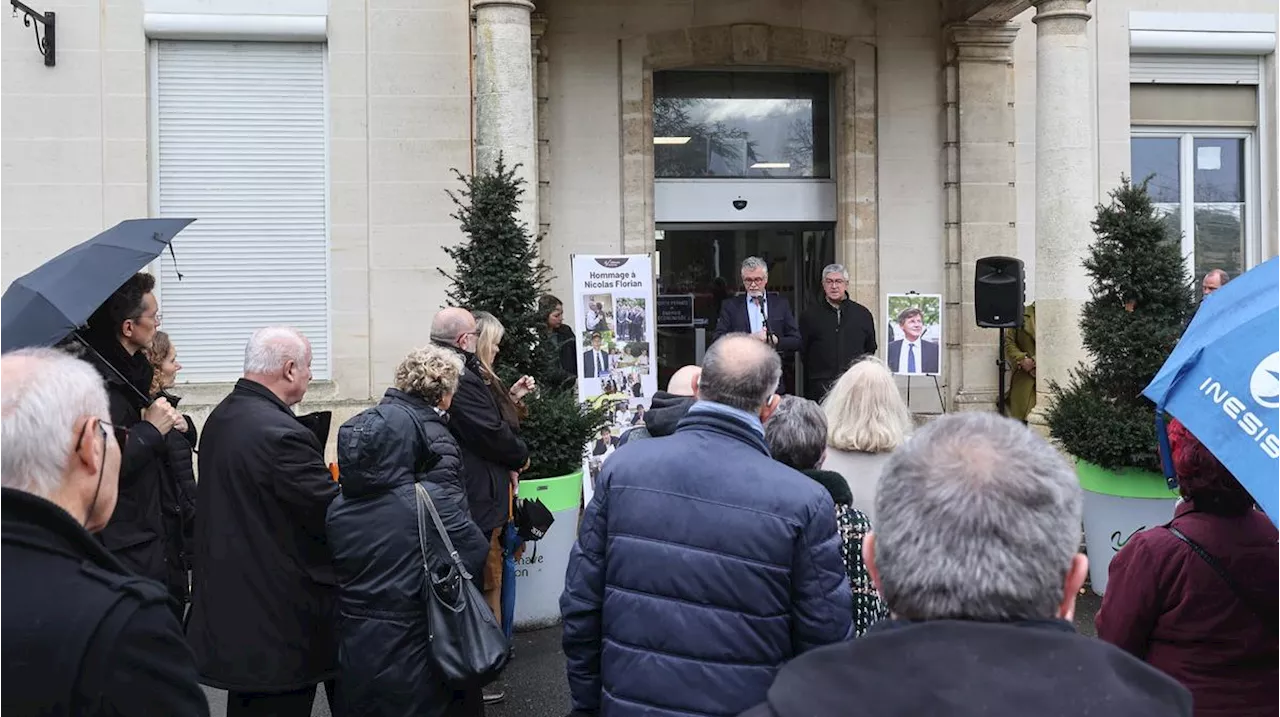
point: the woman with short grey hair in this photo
(797, 437)
(866, 421)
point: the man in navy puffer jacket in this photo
(702, 565)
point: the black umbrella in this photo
(44, 306)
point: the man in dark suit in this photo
(596, 362)
(765, 315)
(918, 356)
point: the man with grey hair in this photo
(975, 552)
(722, 564)
(763, 314)
(1214, 280)
(834, 333)
(82, 634)
(262, 607)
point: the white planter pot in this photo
(1118, 504)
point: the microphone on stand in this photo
(764, 319)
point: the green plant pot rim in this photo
(558, 494)
(1123, 482)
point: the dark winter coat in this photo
(831, 339)
(82, 635)
(665, 411)
(722, 565)
(146, 532)
(490, 447)
(1166, 605)
(972, 669)
(178, 500)
(384, 639)
(564, 348)
(262, 604)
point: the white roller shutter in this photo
(1194, 69)
(242, 148)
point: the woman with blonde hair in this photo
(385, 453)
(866, 421)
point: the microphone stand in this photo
(764, 320)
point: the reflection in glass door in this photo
(705, 262)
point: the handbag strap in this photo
(1226, 577)
(425, 499)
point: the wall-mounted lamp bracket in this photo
(45, 43)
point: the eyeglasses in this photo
(754, 279)
(834, 282)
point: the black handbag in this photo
(468, 646)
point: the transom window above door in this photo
(1202, 183)
(765, 124)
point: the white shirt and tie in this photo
(910, 359)
(757, 313)
(598, 357)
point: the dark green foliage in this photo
(498, 270)
(557, 431)
(1141, 297)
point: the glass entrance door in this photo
(700, 266)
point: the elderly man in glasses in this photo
(833, 334)
(761, 313)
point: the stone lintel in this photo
(983, 42)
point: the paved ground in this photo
(535, 684)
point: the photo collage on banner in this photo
(615, 316)
(915, 341)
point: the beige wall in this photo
(1109, 30)
(582, 42)
(75, 155)
(73, 138)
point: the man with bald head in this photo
(83, 635)
(262, 604)
(667, 407)
(722, 564)
(492, 453)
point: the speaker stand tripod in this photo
(1000, 369)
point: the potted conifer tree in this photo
(1141, 296)
(498, 270)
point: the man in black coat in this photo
(982, 591)
(139, 534)
(262, 607)
(81, 634)
(492, 454)
(833, 334)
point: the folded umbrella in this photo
(1222, 381)
(41, 308)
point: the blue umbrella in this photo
(1223, 382)
(510, 543)
(41, 308)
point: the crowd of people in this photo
(743, 552)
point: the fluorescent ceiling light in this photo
(671, 140)
(771, 165)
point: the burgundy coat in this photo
(1167, 606)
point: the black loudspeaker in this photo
(999, 292)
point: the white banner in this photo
(615, 309)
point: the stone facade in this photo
(958, 135)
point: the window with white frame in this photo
(1201, 181)
(240, 143)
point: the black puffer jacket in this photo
(383, 638)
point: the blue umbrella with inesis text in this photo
(1222, 381)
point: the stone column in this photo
(504, 95)
(541, 100)
(1065, 195)
(981, 198)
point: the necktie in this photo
(599, 363)
(911, 358)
